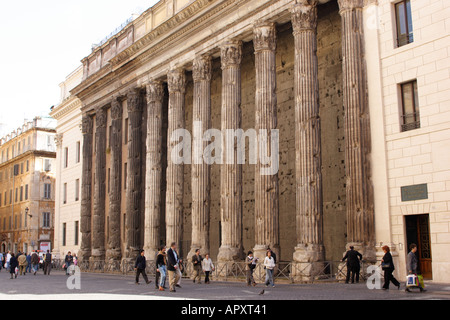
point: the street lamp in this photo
(26, 212)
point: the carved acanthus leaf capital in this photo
(349, 5)
(176, 80)
(155, 91)
(133, 100)
(100, 118)
(59, 140)
(231, 53)
(87, 125)
(116, 109)
(265, 36)
(304, 15)
(202, 68)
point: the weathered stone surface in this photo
(360, 210)
(266, 186)
(153, 197)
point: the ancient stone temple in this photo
(287, 78)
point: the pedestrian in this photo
(161, 263)
(197, 263)
(75, 259)
(47, 263)
(208, 267)
(28, 269)
(139, 266)
(173, 266)
(353, 258)
(35, 262)
(68, 261)
(250, 262)
(8, 260)
(269, 264)
(2, 259)
(22, 260)
(274, 256)
(412, 264)
(13, 264)
(387, 264)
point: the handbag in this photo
(385, 265)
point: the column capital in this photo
(349, 5)
(265, 36)
(231, 53)
(155, 91)
(304, 15)
(116, 108)
(86, 124)
(133, 100)
(202, 68)
(100, 118)
(59, 140)
(176, 80)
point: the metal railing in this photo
(288, 272)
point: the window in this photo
(77, 189)
(77, 231)
(46, 219)
(26, 192)
(17, 193)
(47, 191)
(64, 235)
(404, 23)
(47, 165)
(28, 165)
(66, 157)
(78, 152)
(410, 106)
(65, 193)
(21, 168)
(21, 193)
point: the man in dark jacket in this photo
(35, 262)
(197, 263)
(172, 266)
(47, 263)
(353, 258)
(13, 264)
(140, 265)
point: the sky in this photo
(42, 42)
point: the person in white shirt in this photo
(269, 264)
(207, 266)
(8, 259)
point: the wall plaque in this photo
(415, 192)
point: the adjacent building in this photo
(27, 187)
(68, 168)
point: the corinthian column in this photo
(98, 220)
(114, 253)
(134, 176)
(86, 189)
(309, 208)
(176, 80)
(200, 169)
(266, 186)
(231, 174)
(155, 96)
(359, 190)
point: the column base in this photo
(260, 252)
(369, 254)
(113, 257)
(229, 254)
(307, 263)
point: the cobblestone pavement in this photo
(107, 287)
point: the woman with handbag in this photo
(387, 264)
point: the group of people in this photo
(170, 266)
(22, 263)
(353, 259)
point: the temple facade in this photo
(288, 145)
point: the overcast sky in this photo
(41, 42)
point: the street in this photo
(120, 287)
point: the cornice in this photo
(66, 107)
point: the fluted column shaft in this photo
(176, 80)
(134, 175)
(98, 220)
(359, 190)
(115, 193)
(155, 96)
(200, 169)
(309, 208)
(266, 186)
(231, 174)
(86, 189)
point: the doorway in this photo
(418, 232)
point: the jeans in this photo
(163, 275)
(35, 267)
(269, 277)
